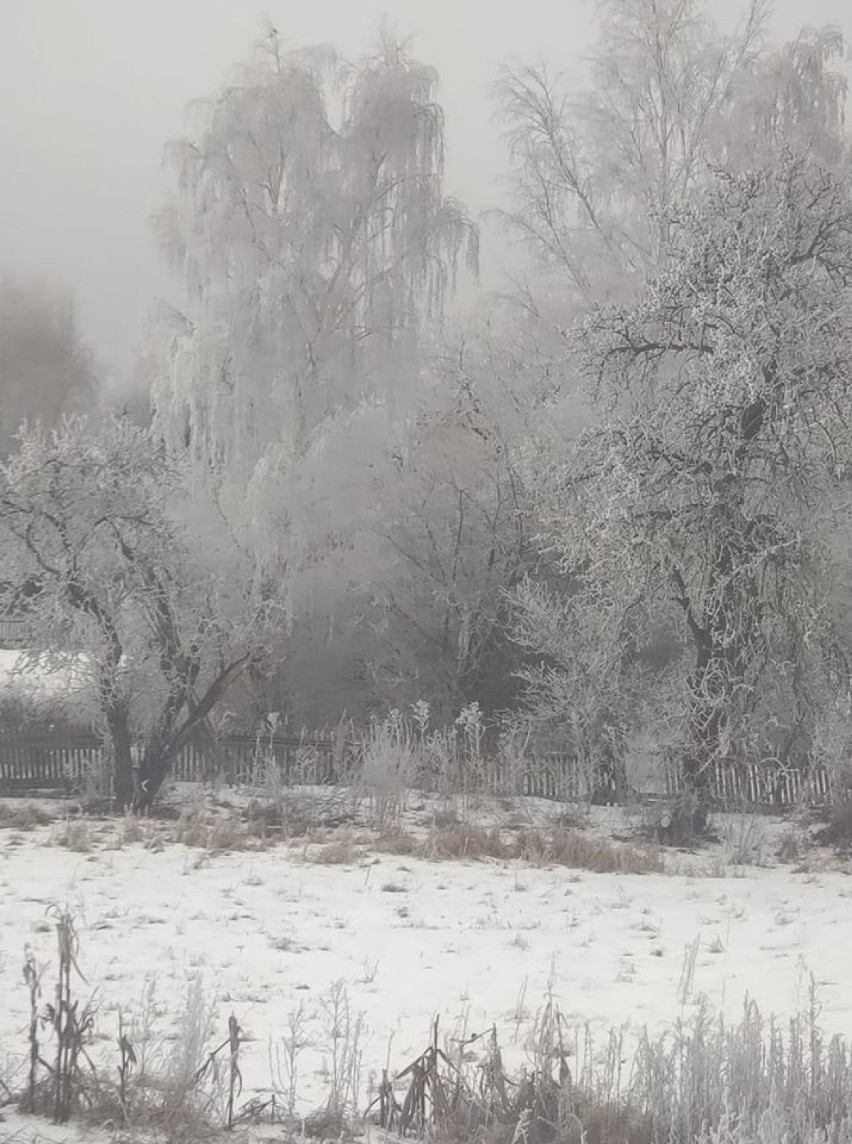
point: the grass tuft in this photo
(74, 834)
(24, 817)
(585, 852)
(221, 835)
(342, 851)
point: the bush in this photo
(682, 821)
(838, 830)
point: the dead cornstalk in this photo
(71, 1025)
(32, 977)
(127, 1062)
(235, 1084)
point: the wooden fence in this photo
(761, 784)
(43, 761)
(46, 762)
(11, 632)
(30, 762)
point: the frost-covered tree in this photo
(702, 501)
(45, 369)
(145, 592)
(792, 98)
(598, 168)
(452, 521)
(312, 233)
(317, 247)
(606, 176)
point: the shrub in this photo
(388, 769)
(838, 830)
(682, 821)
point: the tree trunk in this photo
(164, 748)
(609, 776)
(153, 768)
(122, 758)
(706, 726)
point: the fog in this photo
(92, 90)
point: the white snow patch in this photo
(471, 942)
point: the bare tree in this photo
(597, 169)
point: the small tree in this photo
(582, 689)
(149, 593)
(452, 517)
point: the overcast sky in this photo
(90, 90)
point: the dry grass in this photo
(26, 816)
(585, 852)
(703, 1081)
(397, 841)
(74, 834)
(133, 829)
(462, 842)
(288, 814)
(344, 850)
(753, 1082)
(221, 835)
(538, 848)
(447, 839)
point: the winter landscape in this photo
(335, 944)
(425, 572)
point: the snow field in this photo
(474, 943)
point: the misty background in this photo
(92, 91)
(501, 379)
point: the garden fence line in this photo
(31, 762)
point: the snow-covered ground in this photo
(473, 942)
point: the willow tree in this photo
(311, 230)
